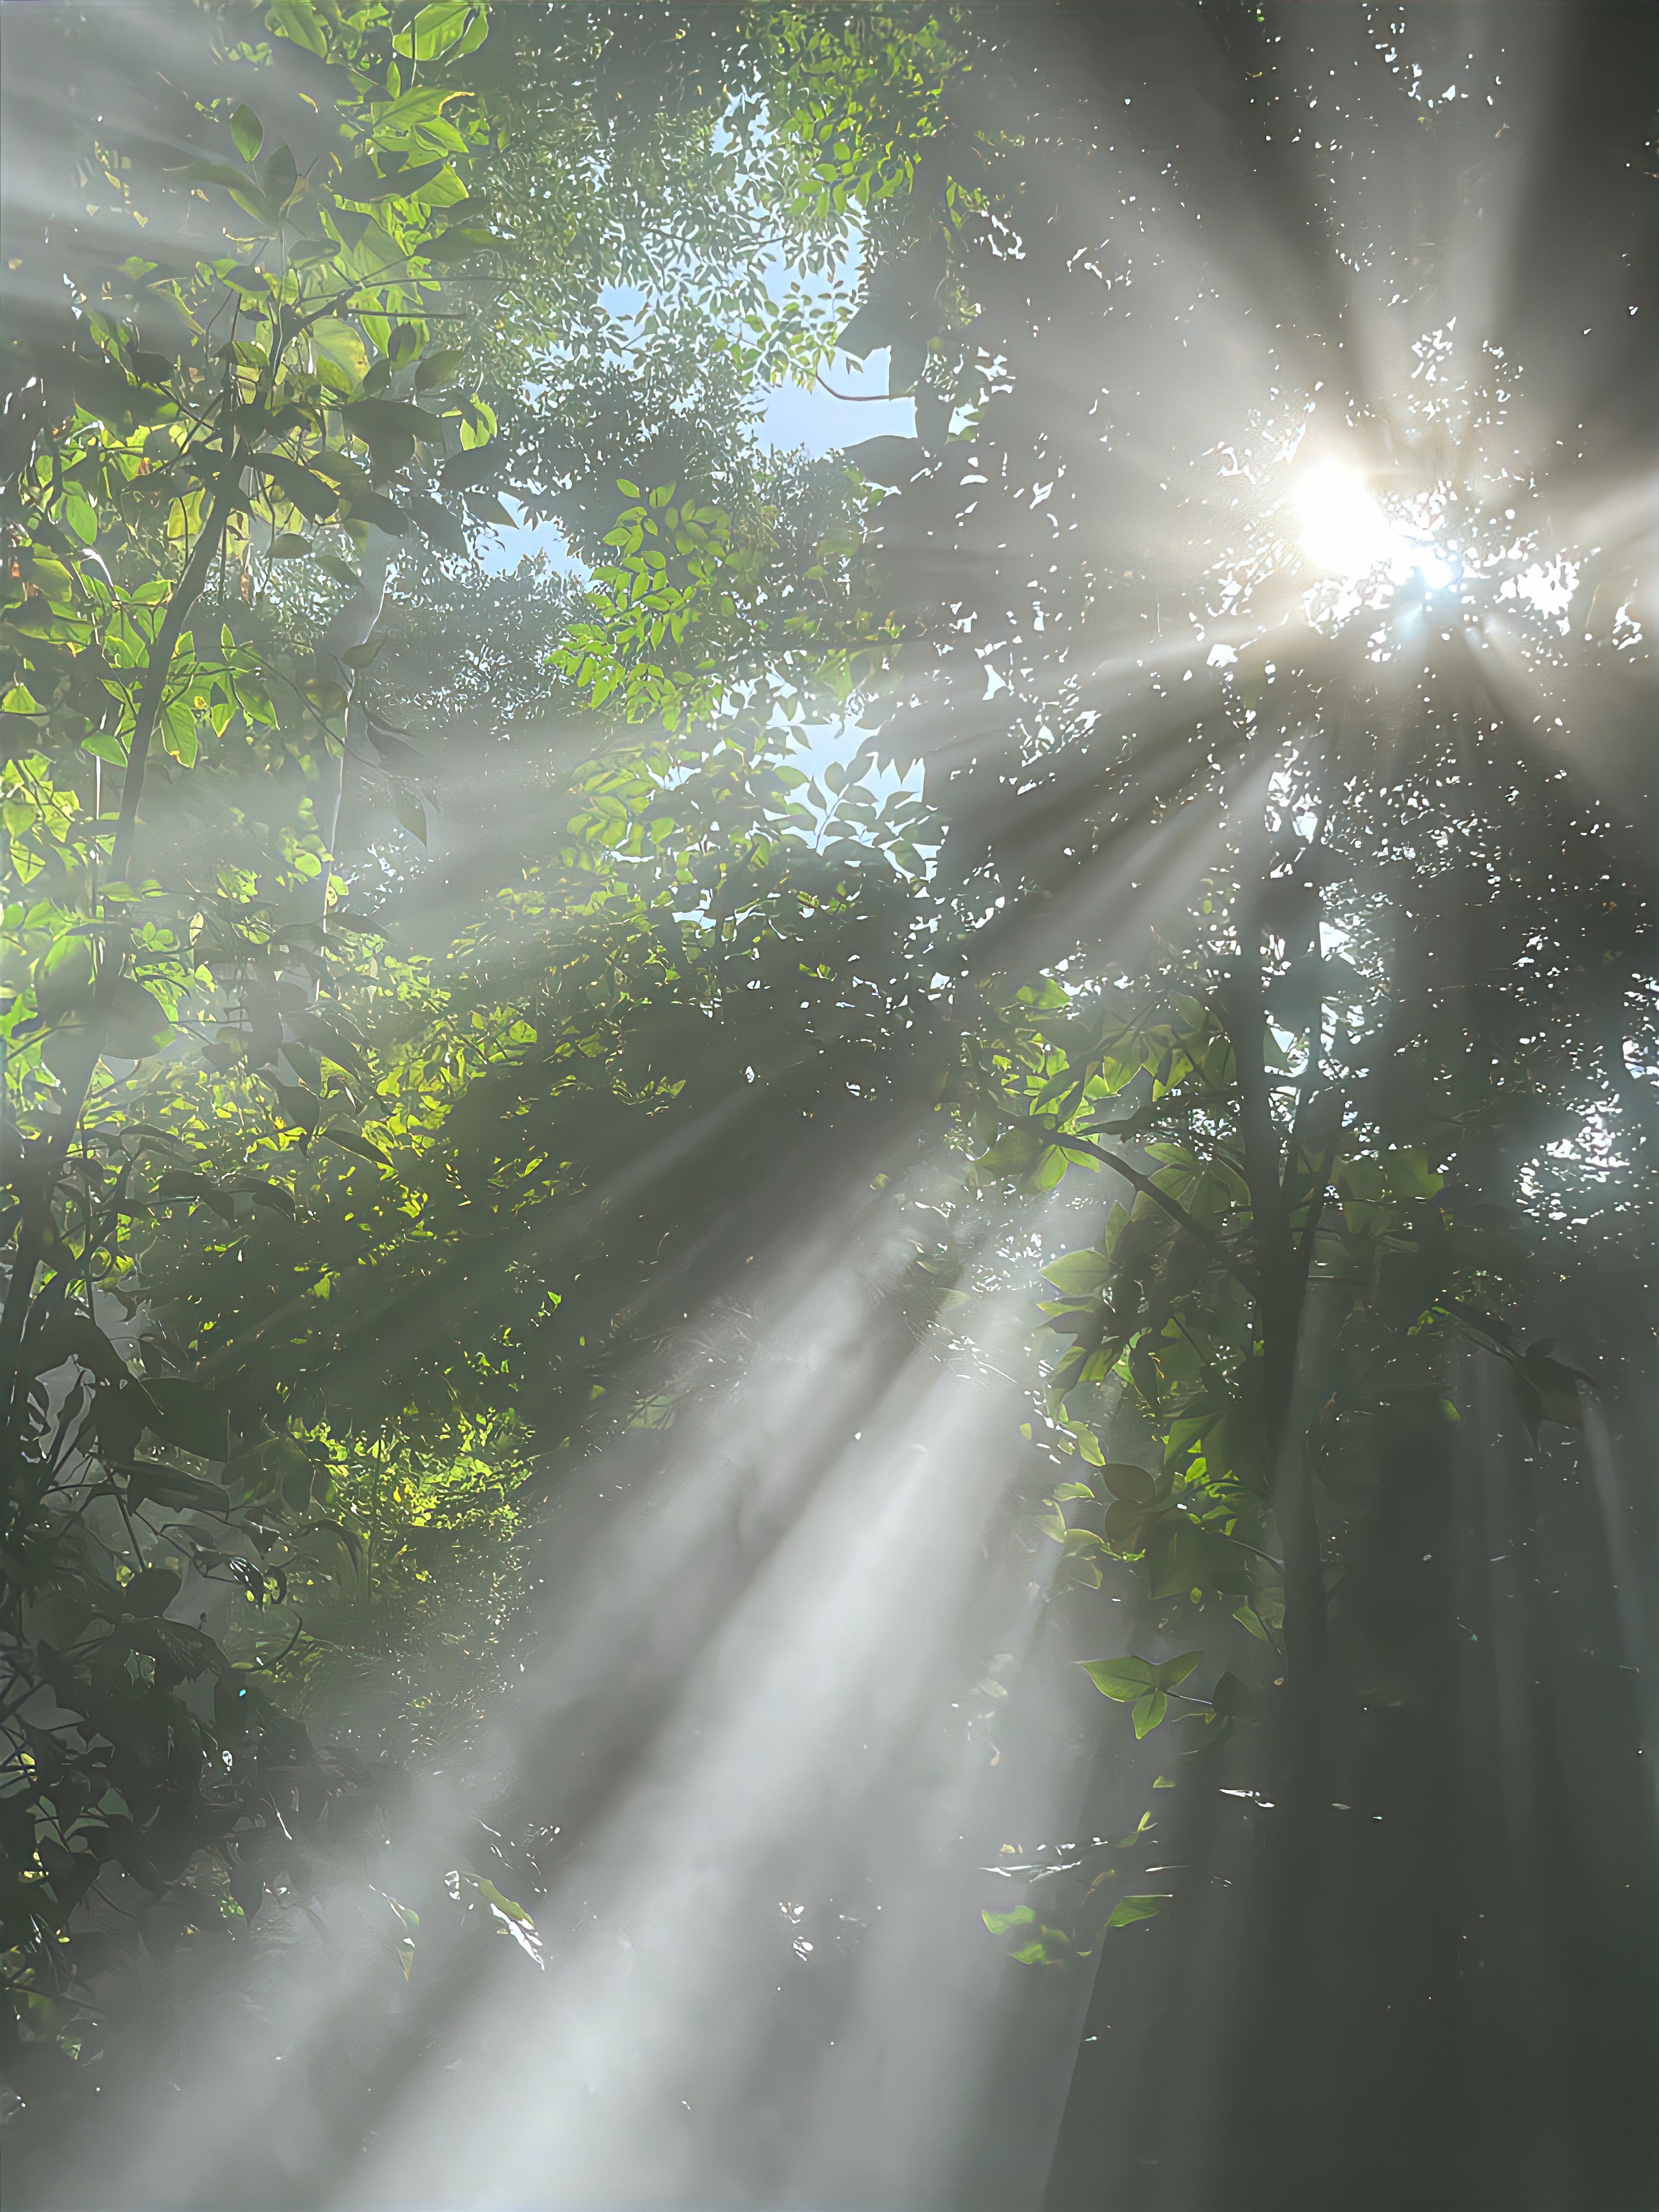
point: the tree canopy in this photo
(1171, 840)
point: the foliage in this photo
(340, 1230)
(604, 1009)
(250, 381)
(1317, 911)
(293, 1213)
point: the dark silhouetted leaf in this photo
(349, 1140)
(183, 1413)
(148, 1593)
(887, 460)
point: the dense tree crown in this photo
(1220, 912)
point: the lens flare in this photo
(1348, 536)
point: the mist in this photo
(829, 1326)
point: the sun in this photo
(1348, 536)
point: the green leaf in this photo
(460, 241)
(307, 490)
(1174, 1672)
(1016, 1150)
(1000, 1923)
(475, 34)
(147, 1594)
(338, 346)
(181, 1653)
(1052, 1948)
(210, 172)
(1128, 1528)
(248, 131)
(1122, 1678)
(64, 976)
(327, 696)
(1183, 1557)
(183, 1413)
(406, 806)
(351, 1542)
(1233, 1698)
(279, 176)
(327, 1040)
(298, 1107)
(349, 1141)
(489, 508)
(278, 1467)
(1079, 1273)
(1408, 1175)
(1133, 1485)
(440, 527)
(471, 467)
(439, 369)
(1131, 1909)
(126, 1022)
(118, 1418)
(886, 460)
(299, 21)
(182, 1182)
(72, 1336)
(443, 24)
(150, 1483)
(359, 181)
(372, 506)
(20, 735)
(270, 1195)
(1149, 1711)
(1553, 1385)
(507, 1906)
(377, 421)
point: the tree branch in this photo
(154, 689)
(1143, 1183)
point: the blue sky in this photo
(800, 417)
(807, 415)
(794, 416)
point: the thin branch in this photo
(1315, 1202)
(154, 689)
(859, 398)
(1177, 1212)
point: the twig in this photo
(1143, 1183)
(859, 398)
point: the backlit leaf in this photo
(1131, 1909)
(1122, 1678)
(248, 131)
